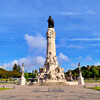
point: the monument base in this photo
(22, 81)
(54, 83)
(55, 75)
(81, 81)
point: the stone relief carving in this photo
(52, 75)
(50, 33)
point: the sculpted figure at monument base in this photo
(55, 75)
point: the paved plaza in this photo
(49, 92)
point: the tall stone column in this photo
(51, 70)
(51, 60)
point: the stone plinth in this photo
(80, 79)
(23, 81)
(71, 83)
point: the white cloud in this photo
(73, 65)
(9, 65)
(63, 43)
(29, 62)
(75, 46)
(34, 42)
(93, 44)
(62, 57)
(80, 57)
(85, 39)
(88, 58)
(76, 13)
(97, 64)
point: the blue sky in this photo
(23, 26)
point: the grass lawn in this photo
(96, 88)
(8, 83)
(92, 81)
(5, 88)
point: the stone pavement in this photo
(49, 92)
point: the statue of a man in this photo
(80, 73)
(50, 22)
(79, 67)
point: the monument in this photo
(80, 78)
(23, 80)
(51, 71)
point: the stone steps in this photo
(50, 84)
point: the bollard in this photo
(84, 86)
(3, 87)
(96, 85)
(13, 87)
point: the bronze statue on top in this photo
(50, 22)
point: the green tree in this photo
(88, 67)
(26, 75)
(19, 68)
(16, 68)
(74, 74)
(36, 71)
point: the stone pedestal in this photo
(23, 81)
(80, 79)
